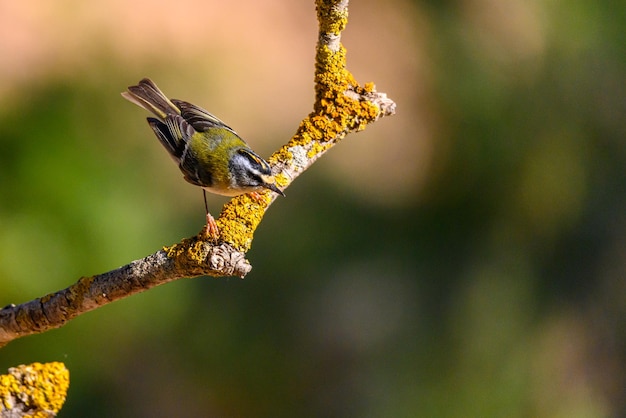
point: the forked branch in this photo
(341, 106)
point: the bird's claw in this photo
(210, 229)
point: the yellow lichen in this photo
(331, 75)
(175, 250)
(331, 19)
(281, 180)
(317, 148)
(40, 387)
(188, 255)
(283, 154)
(240, 218)
(338, 108)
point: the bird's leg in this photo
(210, 230)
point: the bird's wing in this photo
(199, 118)
(174, 133)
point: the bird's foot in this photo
(256, 196)
(210, 229)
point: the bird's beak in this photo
(273, 188)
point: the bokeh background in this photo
(464, 258)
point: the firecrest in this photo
(208, 152)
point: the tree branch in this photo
(341, 106)
(190, 258)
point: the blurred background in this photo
(464, 258)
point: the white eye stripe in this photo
(255, 162)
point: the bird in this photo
(208, 152)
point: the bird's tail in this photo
(146, 94)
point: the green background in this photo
(464, 258)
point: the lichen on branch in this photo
(34, 390)
(341, 106)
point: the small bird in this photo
(208, 152)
